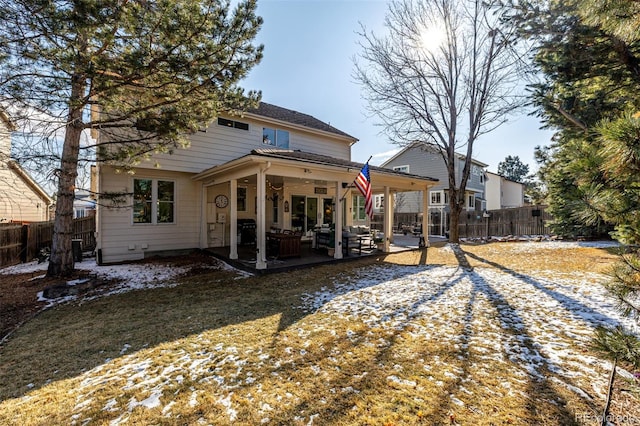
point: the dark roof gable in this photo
(295, 117)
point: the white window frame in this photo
(403, 168)
(471, 201)
(155, 202)
(378, 201)
(358, 206)
(276, 143)
(436, 194)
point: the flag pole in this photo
(351, 184)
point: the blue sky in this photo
(308, 67)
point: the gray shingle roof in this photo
(295, 117)
(328, 161)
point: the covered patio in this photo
(311, 257)
(259, 203)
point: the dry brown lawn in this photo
(381, 341)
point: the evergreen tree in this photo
(618, 200)
(143, 73)
(585, 80)
(589, 55)
(514, 169)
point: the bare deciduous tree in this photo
(444, 74)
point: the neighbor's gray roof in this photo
(295, 117)
(429, 145)
(308, 157)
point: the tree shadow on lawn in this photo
(588, 314)
(543, 404)
(365, 376)
(521, 350)
(67, 340)
(539, 385)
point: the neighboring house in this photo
(21, 198)
(422, 159)
(83, 204)
(503, 193)
(270, 168)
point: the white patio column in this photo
(392, 204)
(233, 219)
(261, 243)
(204, 226)
(337, 213)
(387, 225)
(425, 216)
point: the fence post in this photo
(24, 244)
(488, 216)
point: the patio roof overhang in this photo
(312, 167)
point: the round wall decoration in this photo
(222, 201)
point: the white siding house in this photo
(503, 193)
(274, 166)
(21, 198)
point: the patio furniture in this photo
(246, 231)
(283, 245)
(324, 239)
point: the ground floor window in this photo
(358, 208)
(436, 197)
(471, 201)
(153, 201)
(241, 205)
(275, 208)
(440, 197)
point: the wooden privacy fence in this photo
(10, 243)
(23, 242)
(528, 220)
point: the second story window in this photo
(436, 197)
(275, 137)
(404, 169)
(232, 123)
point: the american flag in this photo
(363, 183)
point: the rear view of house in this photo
(270, 169)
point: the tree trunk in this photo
(454, 232)
(61, 260)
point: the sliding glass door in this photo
(305, 213)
